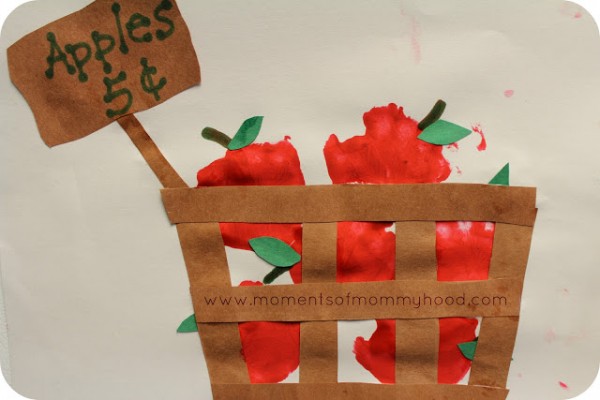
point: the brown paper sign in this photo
(110, 59)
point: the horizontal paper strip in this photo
(355, 391)
(331, 203)
(329, 301)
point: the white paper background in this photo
(94, 282)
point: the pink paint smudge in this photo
(483, 144)
(509, 93)
(571, 10)
(550, 335)
(563, 385)
(453, 146)
(415, 39)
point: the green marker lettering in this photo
(165, 5)
(101, 52)
(116, 9)
(73, 49)
(138, 21)
(111, 95)
(148, 82)
(56, 55)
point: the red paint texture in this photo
(452, 365)
(365, 252)
(390, 152)
(563, 385)
(378, 354)
(271, 349)
(464, 250)
(479, 130)
(258, 164)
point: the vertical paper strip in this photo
(510, 251)
(417, 341)
(494, 351)
(417, 345)
(206, 262)
(497, 335)
(166, 174)
(415, 251)
(318, 339)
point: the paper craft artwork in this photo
(385, 234)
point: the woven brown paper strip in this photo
(388, 300)
(356, 391)
(417, 341)
(497, 335)
(333, 203)
(204, 255)
(318, 339)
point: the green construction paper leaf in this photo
(274, 251)
(443, 132)
(468, 349)
(502, 177)
(274, 274)
(188, 325)
(246, 134)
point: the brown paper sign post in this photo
(104, 62)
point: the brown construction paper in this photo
(494, 351)
(318, 339)
(222, 351)
(510, 251)
(415, 250)
(356, 391)
(67, 108)
(330, 203)
(165, 173)
(297, 302)
(204, 254)
(417, 341)
(417, 347)
(206, 262)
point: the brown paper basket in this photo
(414, 209)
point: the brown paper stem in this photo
(165, 173)
(356, 391)
(318, 339)
(417, 341)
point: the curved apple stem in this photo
(214, 135)
(435, 114)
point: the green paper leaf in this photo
(468, 349)
(274, 251)
(274, 274)
(246, 134)
(502, 177)
(188, 325)
(443, 132)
